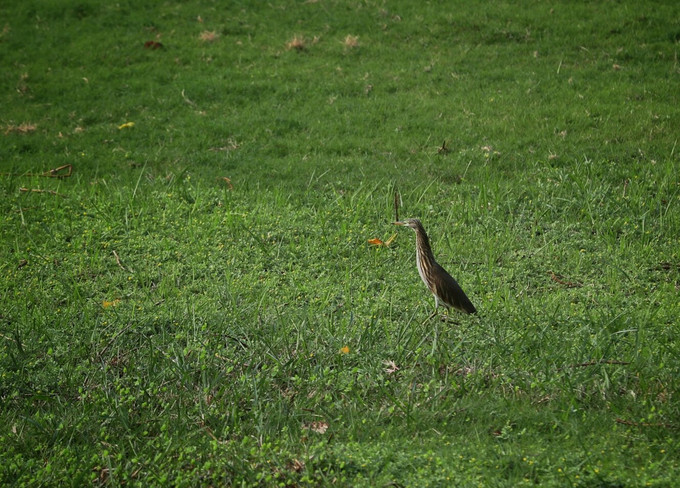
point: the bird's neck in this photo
(423, 247)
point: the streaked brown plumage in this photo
(442, 285)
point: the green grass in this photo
(232, 325)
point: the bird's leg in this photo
(449, 318)
(435, 340)
(434, 313)
(436, 306)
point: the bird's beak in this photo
(398, 223)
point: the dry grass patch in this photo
(297, 42)
(351, 41)
(208, 36)
(23, 128)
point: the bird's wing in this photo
(451, 293)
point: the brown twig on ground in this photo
(601, 361)
(443, 149)
(23, 128)
(113, 339)
(666, 266)
(595, 362)
(643, 424)
(115, 254)
(228, 182)
(396, 206)
(568, 284)
(64, 171)
(37, 190)
(186, 99)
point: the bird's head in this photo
(412, 223)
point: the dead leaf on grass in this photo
(296, 465)
(109, 304)
(391, 366)
(228, 182)
(231, 145)
(297, 42)
(318, 426)
(152, 45)
(559, 279)
(378, 242)
(208, 36)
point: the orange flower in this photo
(344, 350)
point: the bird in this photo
(443, 286)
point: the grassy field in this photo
(191, 298)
